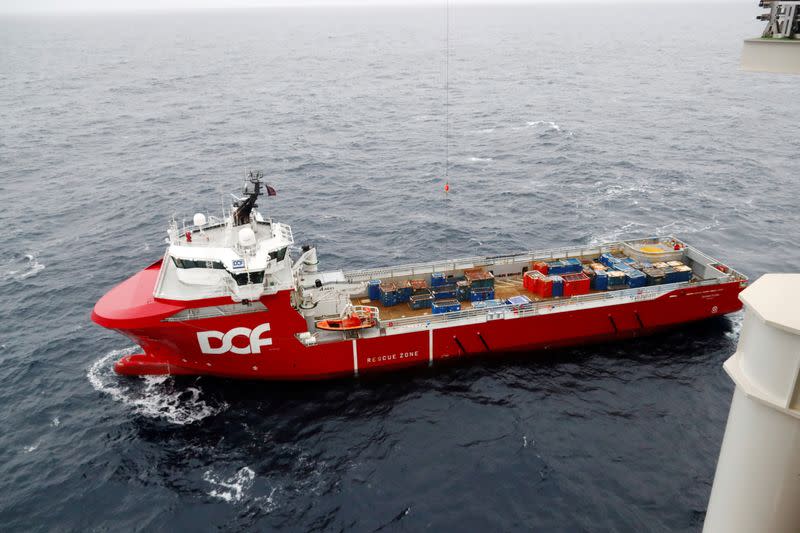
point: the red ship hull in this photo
(265, 345)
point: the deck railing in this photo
(413, 269)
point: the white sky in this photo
(61, 6)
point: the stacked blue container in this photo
(555, 268)
(404, 294)
(600, 280)
(572, 265)
(445, 306)
(558, 286)
(462, 291)
(481, 294)
(420, 301)
(444, 292)
(608, 259)
(388, 298)
(374, 289)
(635, 279)
(438, 279)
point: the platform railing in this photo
(413, 269)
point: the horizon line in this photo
(136, 9)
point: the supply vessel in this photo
(229, 299)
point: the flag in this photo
(271, 191)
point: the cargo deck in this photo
(509, 272)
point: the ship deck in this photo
(504, 288)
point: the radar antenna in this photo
(244, 206)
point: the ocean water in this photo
(565, 128)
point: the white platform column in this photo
(757, 483)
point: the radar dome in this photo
(199, 219)
(247, 237)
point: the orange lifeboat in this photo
(353, 318)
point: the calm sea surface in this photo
(567, 128)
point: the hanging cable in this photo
(447, 93)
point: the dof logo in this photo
(223, 342)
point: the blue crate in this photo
(374, 289)
(674, 276)
(572, 265)
(608, 259)
(562, 267)
(388, 299)
(615, 282)
(445, 306)
(558, 286)
(635, 279)
(481, 294)
(404, 294)
(438, 279)
(420, 302)
(444, 292)
(600, 281)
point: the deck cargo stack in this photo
(462, 291)
(565, 266)
(635, 278)
(531, 280)
(545, 287)
(418, 286)
(600, 281)
(480, 294)
(616, 279)
(374, 289)
(444, 292)
(575, 284)
(404, 293)
(558, 285)
(445, 306)
(479, 278)
(608, 260)
(481, 284)
(655, 276)
(677, 274)
(388, 294)
(438, 279)
(420, 301)
(540, 266)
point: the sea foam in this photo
(150, 396)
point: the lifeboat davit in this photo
(353, 318)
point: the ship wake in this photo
(151, 396)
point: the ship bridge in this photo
(216, 257)
(242, 255)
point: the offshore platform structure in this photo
(778, 48)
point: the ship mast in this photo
(244, 206)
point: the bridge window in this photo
(195, 263)
(278, 254)
(245, 278)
